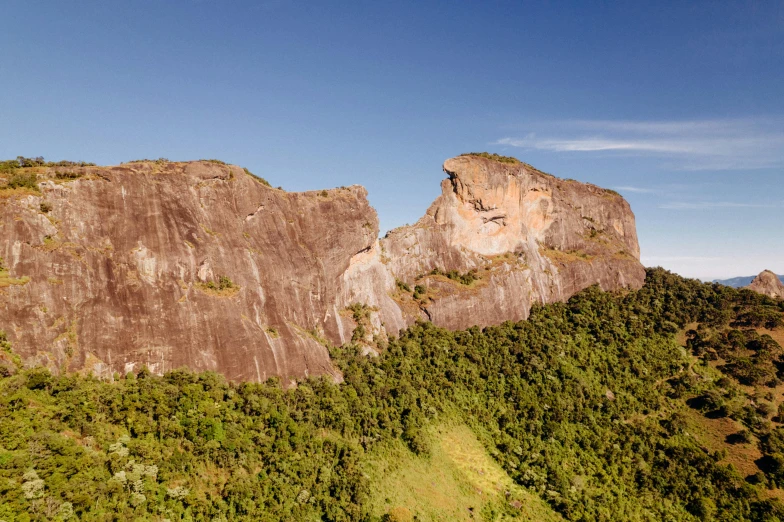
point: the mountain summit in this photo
(202, 264)
(769, 284)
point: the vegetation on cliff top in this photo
(22, 162)
(259, 179)
(514, 161)
(588, 405)
(22, 180)
(19, 175)
(12, 175)
(495, 157)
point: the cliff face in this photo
(120, 270)
(529, 237)
(201, 265)
(769, 284)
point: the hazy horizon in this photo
(677, 107)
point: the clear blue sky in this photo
(677, 105)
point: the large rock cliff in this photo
(526, 236)
(200, 264)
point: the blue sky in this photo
(677, 105)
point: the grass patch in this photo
(457, 481)
(258, 179)
(464, 278)
(402, 286)
(7, 193)
(159, 161)
(224, 287)
(22, 180)
(68, 176)
(495, 157)
(51, 244)
(560, 256)
(208, 231)
(6, 280)
(716, 434)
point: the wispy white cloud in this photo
(636, 190)
(708, 205)
(652, 260)
(685, 145)
(595, 144)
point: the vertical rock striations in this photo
(125, 270)
(202, 265)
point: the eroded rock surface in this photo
(768, 283)
(199, 264)
(529, 236)
(119, 270)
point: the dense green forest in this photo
(587, 405)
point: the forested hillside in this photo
(602, 408)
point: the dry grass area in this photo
(441, 285)
(407, 303)
(778, 334)
(712, 434)
(680, 337)
(216, 291)
(18, 192)
(496, 157)
(6, 280)
(456, 482)
(559, 256)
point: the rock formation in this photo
(528, 237)
(200, 264)
(769, 284)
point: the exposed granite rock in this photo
(123, 266)
(118, 270)
(769, 284)
(530, 237)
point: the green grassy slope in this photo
(458, 481)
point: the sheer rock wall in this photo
(122, 266)
(530, 237)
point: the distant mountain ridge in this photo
(740, 282)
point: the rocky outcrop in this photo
(768, 283)
(125, 270)
(200, 264)
(514, 236)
